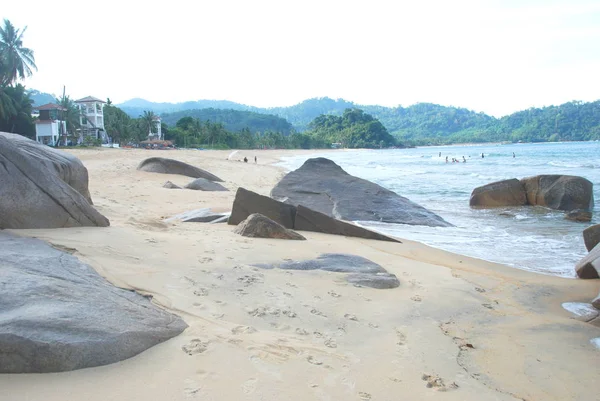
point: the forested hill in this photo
(426, 123)
(234, 120)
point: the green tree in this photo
(16, 61)
(148, 122)
(18, 119)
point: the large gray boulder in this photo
(581, 216)
(361, 271)
(596, 302)
(589, 266)
(202, 184)
(498, 194)
(259, 226)
(323, 186)
(248, 202)
(66, 166)
(57, 314)
(35, 190)
(309, 220)
(169, 166)
(561, 192)
(591, 236)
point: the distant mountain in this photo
(234, 120)
(424, 123)
(40, 98)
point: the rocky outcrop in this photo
(362, 271)
(170, 166)
(323, 186)
(596, 302)
(58, 314)
(561, 192)
(170, 185)
(591, 236)
(582, 216)
(202, 184)
(589, 266)
(259, 226)
(35, 190)
(300, 218)
(498, 194)
(198, 216)
(65, 166)
(248, 202)
(309, 220)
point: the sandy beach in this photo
(457, 328)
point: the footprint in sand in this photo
(334, 294)
(301, 331)
(317, 312)
(350, 316)
(243, 330)
(364, 396)
(205, 260)
(201, 292)
(196, 346)
(436, 382)
(416, 298)
(312, 360)
(249, 386)
(331, 343)
(401, 337)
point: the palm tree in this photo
(16, 61)
(149, 122)
(71, 114)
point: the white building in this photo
(158, 133)
(49, 127)
(92, 118)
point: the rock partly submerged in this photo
(582, 216)
(43, 187)
(560, 192)
(170, 166)
(589, 266)
(323, 186)
(591, 236)
(361, 271)
(202, 184)
(58, 314)
(259, 226)
(298, 218)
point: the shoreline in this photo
(341, 342)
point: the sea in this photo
(530, 238)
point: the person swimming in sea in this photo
(464, 160)
(482, 156)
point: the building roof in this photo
(44, 121)
(50, 106)
(89, 99)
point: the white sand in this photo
(488, 332)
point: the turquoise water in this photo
(530, 238)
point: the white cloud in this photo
(492, 56)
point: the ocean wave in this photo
(572, 165)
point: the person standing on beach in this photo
(513, 155)
(446, 159)
(254, 159)
(440, 154)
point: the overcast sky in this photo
(492, 56)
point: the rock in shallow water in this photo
(58, 314)
(323, 186)
(589, 266)
(363, 271)
(591, 236)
